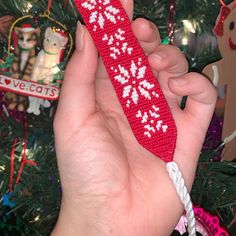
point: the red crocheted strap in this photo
(128, 68)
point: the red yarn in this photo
(136, 87)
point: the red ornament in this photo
(136, 87)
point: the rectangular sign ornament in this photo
(29, 88)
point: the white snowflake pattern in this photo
(101, 10)
(134, 83)
(152, 122)
(117, 43)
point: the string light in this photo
(37, 218)
(2, 168)
(189, 26)
(28, 7)
(184, 41)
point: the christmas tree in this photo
(30, 190)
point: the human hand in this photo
(111, 185)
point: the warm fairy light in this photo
(37, 218)
(189, 26)
(28, 6)
(2, 168)
(184, 41)
(28, 152)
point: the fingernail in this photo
(79, 36)
(179, 82)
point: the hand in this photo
(111, 185)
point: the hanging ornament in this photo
(223, 73)
(40, 46)
(136, 87)
(24, 161)
(206, 225)
(6, 200)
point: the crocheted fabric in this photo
(128, 68)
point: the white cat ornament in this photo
(46, 65)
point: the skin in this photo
(111, 185)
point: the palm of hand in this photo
(113, 167)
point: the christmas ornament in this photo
(206, 225)
(136, 87)
(40, 46)
(223, 73)
(6, 200)
(24, 160)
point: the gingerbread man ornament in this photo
(223, 72)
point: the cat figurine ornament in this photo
(25, 52)
(46, 65)
(31, 81)
(26, 39)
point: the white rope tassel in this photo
(181, 189)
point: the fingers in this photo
(78, 89)
(168, 58)
(129, 7)
(147, 34)
(168, 61)
(201, 95)
(193, 121)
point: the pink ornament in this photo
(206, 224)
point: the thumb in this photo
(201, 95)
(77, 98)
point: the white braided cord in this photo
(182, 191)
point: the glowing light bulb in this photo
(37, 218)
(28, 6)
(184, 41)
(189, 26)
(2, 168)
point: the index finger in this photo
(129, 7)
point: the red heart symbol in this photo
(7, 81)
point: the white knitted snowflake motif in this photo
(152, 121)
(135, 84)
(101, 10)
(117, 43)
